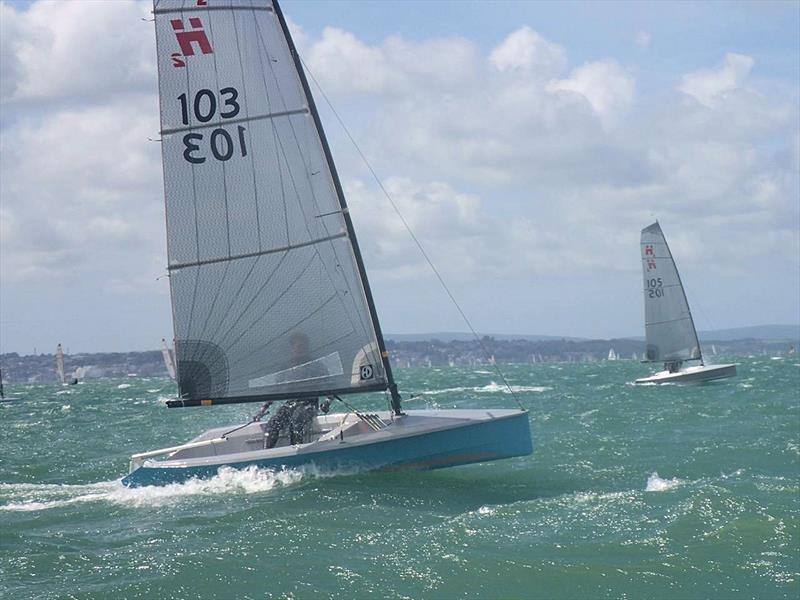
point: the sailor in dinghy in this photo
(261, 246)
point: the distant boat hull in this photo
(421, 440)
(697, 374)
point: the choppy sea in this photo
(631, 492)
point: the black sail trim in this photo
(345, 213)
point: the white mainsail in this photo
(60, 364)
(168, 362)
(268, 288)
(669, 328)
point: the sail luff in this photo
(345, 212)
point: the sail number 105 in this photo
(221, 143)
(655, 288)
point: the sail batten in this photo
(266, 281)
(275, 115)
(259, 253)
(669, 328)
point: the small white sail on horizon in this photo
(60, 365)
(169, 363)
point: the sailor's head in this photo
(298, 344)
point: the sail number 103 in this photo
(220, 142)
(655, 288)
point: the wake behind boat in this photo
(270, 297)
(670, 333)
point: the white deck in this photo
(221, 446)
(696, 374)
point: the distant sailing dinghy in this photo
(269, 293)
(670, 334)
(60, 365)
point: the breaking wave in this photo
(657, 484)
(251, 480)
(490, 388)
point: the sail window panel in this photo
(257, 334)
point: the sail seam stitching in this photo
(212, 261)
(285, 113)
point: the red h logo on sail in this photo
(187, 39)
(651, 264)
(648, 250)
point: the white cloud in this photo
(708, 85)
(524, 49)
(76, 49)
(605, 85)
(510, 164)
(77, 186)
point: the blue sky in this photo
(527, 142)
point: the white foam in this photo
(251, 480)
(123, 386)
(493, 388)
(657, 484)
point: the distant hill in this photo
(454, 336)
(758, 332)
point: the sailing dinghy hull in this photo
(419, 440)
(698, 374)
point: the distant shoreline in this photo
(433, 351)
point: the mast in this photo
(395, 395)
(683, 291)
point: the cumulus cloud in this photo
(524, 49)
(709, 85)
(76, 49)
(508, 163)
(605, 85)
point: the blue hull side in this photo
(475, 442)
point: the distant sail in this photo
(611, 354)
(269, 295)
(669, 328)
(60, 364)
(168, 362)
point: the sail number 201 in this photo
(204, 107)
(655, 288)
